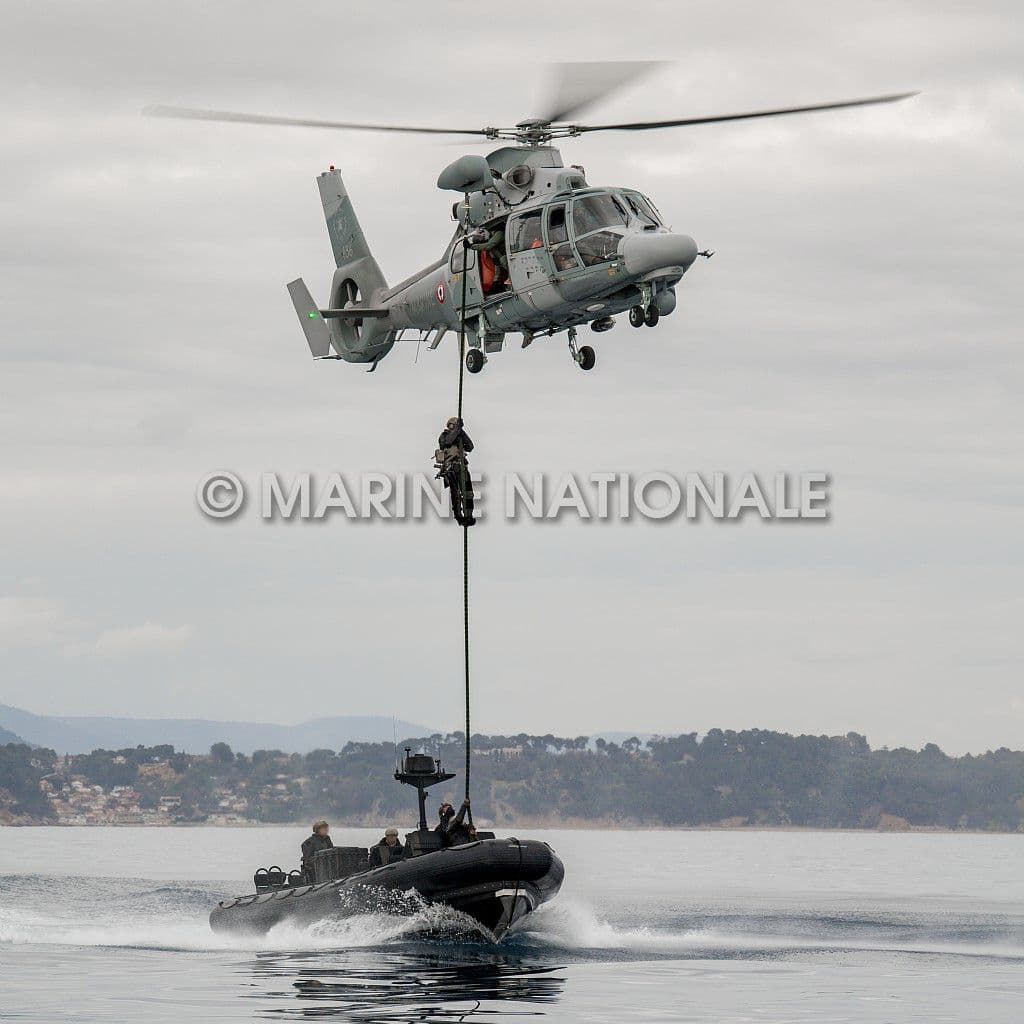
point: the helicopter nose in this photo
(644, 253)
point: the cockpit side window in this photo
(591, 213)
(526, 232)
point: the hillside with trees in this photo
(749, 778)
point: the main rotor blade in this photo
(191, 114)
(573, 87)
(640, 126)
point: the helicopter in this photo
(537, 250)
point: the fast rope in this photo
(465, 482)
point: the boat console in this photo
(421, 771)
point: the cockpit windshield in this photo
(591, 213)
(642, 208)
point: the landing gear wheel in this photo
(637, 316)
(652, 316)
(474, 360)
(587, 358)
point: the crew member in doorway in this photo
(388, 850)
(319, 840)
(493, 261)
(453, 468)
(491, 242)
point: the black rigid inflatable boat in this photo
(496, 882)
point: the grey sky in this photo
(862, 316)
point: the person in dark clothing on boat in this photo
(458, 832)
(388, 850)
(319, 840)
(445, 813)
(452, 467)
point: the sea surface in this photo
(110, 924)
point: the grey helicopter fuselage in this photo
(568, 254)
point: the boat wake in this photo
(136, 914)
(578, 932)
(189, 933)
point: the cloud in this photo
(149, 638)
(27, 621)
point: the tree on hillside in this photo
(222, 753)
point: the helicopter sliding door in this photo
(529, 262)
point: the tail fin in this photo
(347, 239)
(315, 328)
(358, 279)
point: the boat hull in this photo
(496, 882)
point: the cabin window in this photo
(591, 213)
(558, 231)
(526, 232)
(599, 247)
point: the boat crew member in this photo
(458, 831)
(445, 813)
(388, 850)
(319, 840)
(453, 468)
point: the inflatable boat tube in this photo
(495, 881)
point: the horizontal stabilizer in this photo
(318, 334)
(354, 313)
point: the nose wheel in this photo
(584, 356)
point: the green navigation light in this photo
(313, 315)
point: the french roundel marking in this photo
(440, 291)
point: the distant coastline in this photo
(542, 826)
(723, 780)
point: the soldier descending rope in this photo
(453, 468)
